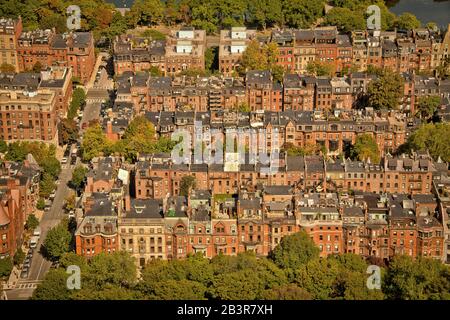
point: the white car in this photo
(64, 160)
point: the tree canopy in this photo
(386, 91)
(365, 148)
(432, 137)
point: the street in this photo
(39, 265)
(24, 288)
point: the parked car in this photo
(27, 263)
(37, 231)
(24, 273)
(64, 160)
(33, 242)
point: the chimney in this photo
(109, 128)
(127, 203)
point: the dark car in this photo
(24, 273)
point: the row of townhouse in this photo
(256, 219)
(19, 192)
(156, 176)
(31, 104)
(184, 49)
(270, 130)
(258, 92)
(24, 49)
(403, 51)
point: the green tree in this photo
(37, 67)
(94, 142)
(58, 240)
(6, 266)
(3, 146)
(238, 285)
(365, 147)
(253, 58)
(19, 257)
(407, 21)
(386, 91)
(51, 166)
(265, 13)
(302, 13)
(46, 185)
(179, 290)
(54, 286)
(68, 131)
(211, 59)
(146, 12)
(287, 292)
(78, 101)
(294, 250)
(78, 177)
(427, 106)
(345, 19)
(40, 204)
(187, 184)
(16, 152)
(32, 221)
(421, 279)
(118, 269)
(319, 69)
(434, 138)
(7, 68)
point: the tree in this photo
(294, 250)
(7, 68)
(139, 137)
(78, 101)
(238, 285)
(407, 21)
(6, 266)
(16, 152)
(68, 131)
(118, 269)
(94, 142)
(47, 185)
(265, 13)
(40, 205)
(287, 292)
(78, 177)
(211, 59)
(51, 166)
(427, 106)
(345, 19)
(3, 146)
(386, 91)
(32, 221)
(19, 257)
(70, 201)
(187, 184)
(155, 71)
(145, 12)
(434, 138)
(54, 286)
(365, 147)
(253, 58)
(319, 69)
(58, 240)
(37, 67)
(302, 13)
(420, 279)
(178, 290)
